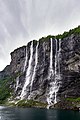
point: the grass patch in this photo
(73, 99)
(30, 103)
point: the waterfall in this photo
(51, 56)
(36, 61)
(57, 69)
(51, 73)
(25, 61)
(54, 85)
(17, 83)
(59, 58)
(28, 72)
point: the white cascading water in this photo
(59, 53)
(28, 72)
(54, 86)
(17, 83)
(51, 59)
(57, 69)
(36, 61)
(51, 72)
(25, 61)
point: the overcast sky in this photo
(25, 20)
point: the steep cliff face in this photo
(70, 66)
(47, 70)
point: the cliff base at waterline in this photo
(44, 73)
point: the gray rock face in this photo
(34, 72)
(70, 67)
(18, 59)
(6, 72)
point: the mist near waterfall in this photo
(25, 20)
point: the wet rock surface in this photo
(69, 69)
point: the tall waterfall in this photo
(54, 75)
(25, 61)
(36, 61)
(51, 59)
(28, 72)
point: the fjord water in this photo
(37, 114)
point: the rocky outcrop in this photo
(70, 66)
(5, 73)
(40, 74)
(18, 59)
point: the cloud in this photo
(24, 20)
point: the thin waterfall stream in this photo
(25, 61)
(54, 74)
(34, 71)
(28, 72)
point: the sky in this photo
(24, 20)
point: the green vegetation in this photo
(73, 99)
(66, 34)
(30, 103)
(46, 38)
(4, 90)
(61, 36)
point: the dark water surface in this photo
(37, 114)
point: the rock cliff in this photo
(47, 70)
